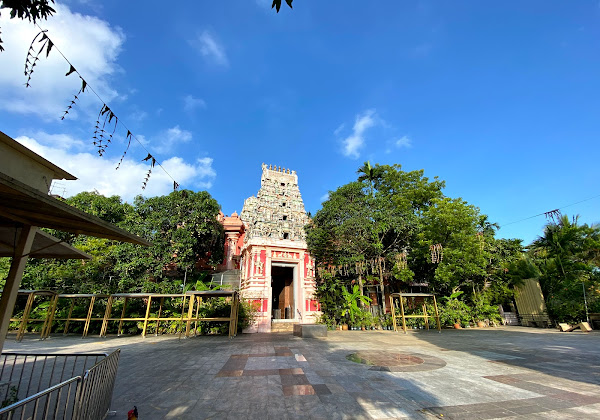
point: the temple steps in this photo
(283, 326)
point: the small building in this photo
(267, 243)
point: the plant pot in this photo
(362, 328)
(457, 326)
(344, 327)
(480, 324)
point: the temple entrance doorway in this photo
(282, 286)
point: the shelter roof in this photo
(21, 205)
(44, 245)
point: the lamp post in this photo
(587, 315)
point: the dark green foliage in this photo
(277, 4)
(31, 10)
(353, 302)
(397, 216)
(566, 260)
(331, 298)
(186, 241)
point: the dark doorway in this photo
(283, 292)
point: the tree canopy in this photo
(31, 10)
(566, 260)
(397, 227)
(186, 237)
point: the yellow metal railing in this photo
(403, 316)
(193, 300)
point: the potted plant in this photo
(367, 320)
(455, 312)
(388, 322)
(483, 312)
(351, 310)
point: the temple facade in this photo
(268, 244)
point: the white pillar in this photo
(13, 281)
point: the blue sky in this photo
(499, 99)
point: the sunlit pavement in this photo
(508, 372)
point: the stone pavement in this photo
(508, 372)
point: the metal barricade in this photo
(86, 396)
(57, 402)
(97, 388)
(24, 374)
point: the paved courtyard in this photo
(508, 372)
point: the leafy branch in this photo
(277, 4)
(31, 10)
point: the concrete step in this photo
(511, 318)
(283, 326)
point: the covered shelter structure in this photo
(25, 206)
(415, 297)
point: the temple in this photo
(267, 243)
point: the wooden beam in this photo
(13, 281)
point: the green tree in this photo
(566, 256)
(452, 223)
(370, 174)
(186, 241)
(393, 216)
(370, 220)
(184, 231)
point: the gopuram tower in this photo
(277, 272)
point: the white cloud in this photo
(210, 48)
(98, 173)
(354, 142)
(190, 103)
(169, 138)
(59, 141)
(338, 130)
(138, 115)
(403, 141)
(91, 44)
(324, 197)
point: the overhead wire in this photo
(546, 212)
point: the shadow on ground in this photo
(488, 373)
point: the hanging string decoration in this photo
(481, 239)
(33, 56)
(360, 267)
(152, 163)
(128, 138)
(107, 121)
(553, 215)
(437, 253)
(101, 140)
(81, 90)
(401, 261)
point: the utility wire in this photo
(542, 214)
(104, 102)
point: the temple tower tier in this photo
(277, 272)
